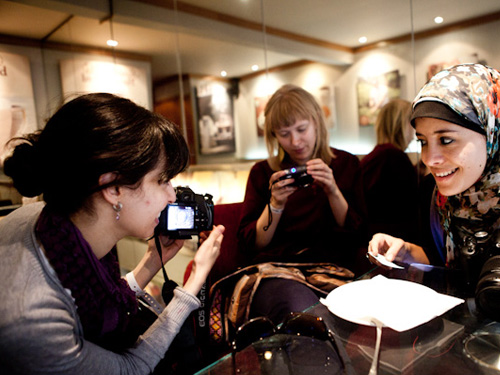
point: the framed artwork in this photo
(17, 103)
(260, 106)
(83, 76)
(374, 93)
(215, 119)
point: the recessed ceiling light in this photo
(438, 20)
(363, 39)
(255, 67)
(112, 43)
(223, 73)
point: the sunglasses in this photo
(301, 344)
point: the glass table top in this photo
(460, 341)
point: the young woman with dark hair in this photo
(456, 116)
(103, 166)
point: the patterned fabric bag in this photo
(230, 298)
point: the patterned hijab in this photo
(473, 92)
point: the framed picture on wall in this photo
(215, 119)
(374, 93)
(17, 103)
(83, 76)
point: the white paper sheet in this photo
(398, 304)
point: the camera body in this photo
(299, 174)
(480, 261)
(188, 216)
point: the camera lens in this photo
(488, 288)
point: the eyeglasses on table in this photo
(302, 344)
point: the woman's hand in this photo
(150, 263)
(322, 175)
(204, 259)
(393, 248)
(169, 248)
(280, 190)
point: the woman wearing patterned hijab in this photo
(456, 116)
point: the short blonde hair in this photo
(391, 122)
(288, 105)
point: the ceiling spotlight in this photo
(112, 43)
(363, 39)
(223, 73)
(255, 68)
(438, 20)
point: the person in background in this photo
(280, 222)
(104, 166)
(457, 120)
(389, 177)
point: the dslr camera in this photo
(480, 261)
(299, 174)
(188, 216)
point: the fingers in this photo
(203, 236)
(394, 250)
(169, 248)
(322, 174)
(377, 244)
(386, 245)
(219, 236)
(168, 252)
(166, 241)
(214, 240)
(219, 229)
(275, 177)
(280, 190)
(210, 249)
(376, 261)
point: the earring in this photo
(117, 207)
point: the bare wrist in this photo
(194, 282)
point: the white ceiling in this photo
(183, 40)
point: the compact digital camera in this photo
(480, 260)
(299, 174)
(188, 216)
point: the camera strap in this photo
(167, 292)
(270, 217)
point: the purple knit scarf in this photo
(105, 303)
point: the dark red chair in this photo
(230, 259)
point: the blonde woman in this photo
(282, 222)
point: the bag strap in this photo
(224, 281)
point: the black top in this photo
(391, 189)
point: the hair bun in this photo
(23, 166)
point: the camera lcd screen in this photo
(180, 217)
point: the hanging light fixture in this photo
(112, 42)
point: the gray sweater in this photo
(40, 332)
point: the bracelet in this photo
(132, 283)
(275, 210)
